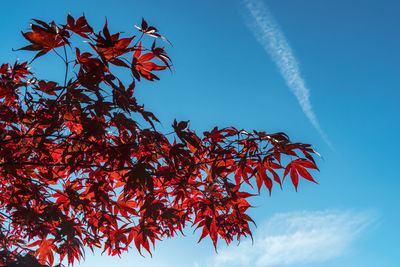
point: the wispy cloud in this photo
(268, 34)
(297, 238)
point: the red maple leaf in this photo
(142, 66)
(44, 37)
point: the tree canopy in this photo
(82, 163)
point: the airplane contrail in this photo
(267, 32)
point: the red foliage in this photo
(76, 170)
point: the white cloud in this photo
(298, 237)
(269, 35)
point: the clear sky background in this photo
(227, 72)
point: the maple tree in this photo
(82, 163)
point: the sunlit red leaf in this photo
(142, 65)
(45, 251)
(43, 39)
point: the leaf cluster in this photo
(82, 163)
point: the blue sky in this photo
(228, 72)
